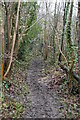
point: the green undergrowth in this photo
(71, 105)
(15, 90)
(12, 108)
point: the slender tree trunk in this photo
(69, 26)
(17, 39)
(14, 38)
(45, 43)
(45, 54)
(79, 47)
(2, 41)
(69, 44)
(7, 35)
(8, 28)
(55, 26)
(2, 50)
(79, 36)
(66, 9)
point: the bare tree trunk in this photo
(8, 28)
(79, 36)
(14, 38)
(7, 35)
(45, 54)
(55, 26)
(2, 49)
(2, 40)
(17, 39)
(64, 23)
(79, 47)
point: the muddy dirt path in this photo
(43, 102)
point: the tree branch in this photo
(67, 71)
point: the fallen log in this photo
(67, 71)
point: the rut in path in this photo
(43, 102)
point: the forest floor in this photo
(38, 90)
(43, 101)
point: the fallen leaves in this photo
(69, 104)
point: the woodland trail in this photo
(43, 102)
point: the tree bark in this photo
(70, 49)
(8, 28)
(45, 49)
(64, 23)
(55, 26)
(69, 27)
(79, 35)
(17, 39)
(79, 47)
